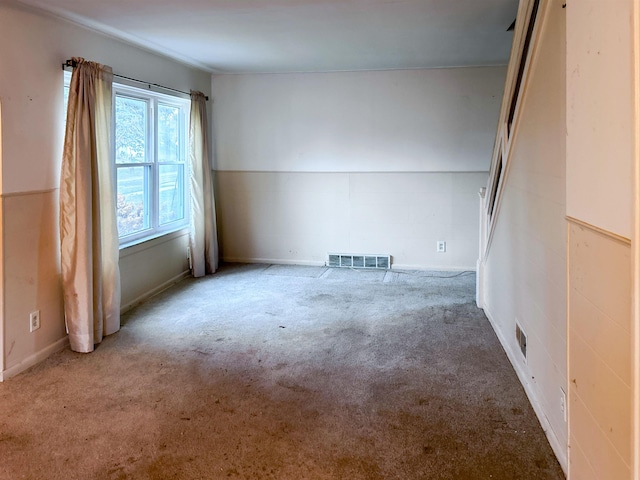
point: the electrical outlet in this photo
(563, 404)
(441, 246)
(34, 321)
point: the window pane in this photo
(131, 130)
(133, 200)
(66, 101)
(171, 193)
(169, 134)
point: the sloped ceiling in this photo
(241, 36)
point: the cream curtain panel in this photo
(203, 238)
(89, 248)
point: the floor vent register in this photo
(348, 260)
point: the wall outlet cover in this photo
(34, 320)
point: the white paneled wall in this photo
(356, 162)
(600, 113)
(152, 266)
(525, 268)
(599, 354)
(298, 217)
(600, 158)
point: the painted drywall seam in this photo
(355, 172)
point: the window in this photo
(150, 149)
(523, 60)
(67, 82)
(493, 193)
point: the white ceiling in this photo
(305, 35)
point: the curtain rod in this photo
(72, 64)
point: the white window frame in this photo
(153, 99)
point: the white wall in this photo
(525, 269)
(32, 52)
(294, 217)
(356, 162)
(600, 114)
(33, 49)
(439, 120)
(150, 267)
(600, 103)
(600, 359)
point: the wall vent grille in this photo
(521, 338)
(348, 260)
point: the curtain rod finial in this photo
(69, 63)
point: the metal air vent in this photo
(521, 338)
(358, 260)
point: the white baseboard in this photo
(31, 360)
(274, 261)
(141, 298)
(314, 263)
(559, 449)
(432, 268)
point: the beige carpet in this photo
(263, 372)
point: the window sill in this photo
(136, 246)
